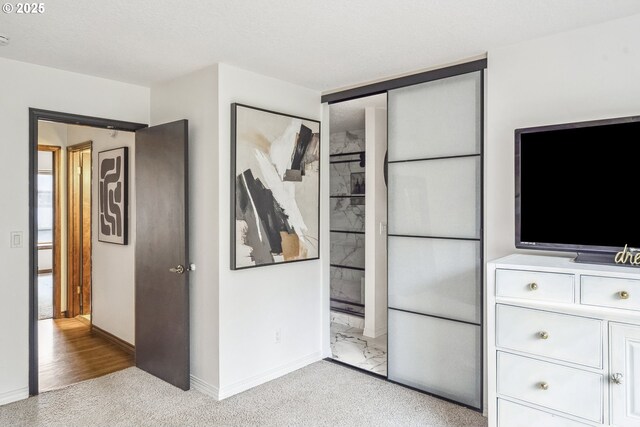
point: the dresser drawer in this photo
(513, 415)
(534, 285)
(558, 336)
(610, 292)
(569, 390)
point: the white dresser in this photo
(563, 343)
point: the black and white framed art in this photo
(275, 187)
(113, 184)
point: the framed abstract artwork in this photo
(275, 187)
(113, 184)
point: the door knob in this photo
(179, 269)
(543, 335)
(533, 286)
(623, 295)
(543, 386)
(616, 378)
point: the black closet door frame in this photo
(411, 80)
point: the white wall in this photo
(22, 86)
(254, 303)
(195, 97)
(375, 319)
(325, 235)
(586, 74)
(112, 266)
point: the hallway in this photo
(69, 352)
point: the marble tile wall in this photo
(347, 249)
(347, 284)
(340, 177)
(347, 214)
(347, 320)
(346, 142)
(354, 310)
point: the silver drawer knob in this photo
(533, 286)
(616, 378)
(543, 335)
(623, 295)
(543, 386)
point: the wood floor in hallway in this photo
(69, 353)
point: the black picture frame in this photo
(357, 183)
(255, 191)
(121, 224)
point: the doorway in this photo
(116, 273)
(358, 273)
(79, 220)
(435, 236)
(65, 346)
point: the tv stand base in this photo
(595, 258)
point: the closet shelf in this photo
(344, 301)
(351, 153)
(347, 267)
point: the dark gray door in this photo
(162, 257)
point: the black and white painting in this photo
(112, 195)
(275, 188)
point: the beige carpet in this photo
(321, 394)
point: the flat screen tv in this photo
(578, 187)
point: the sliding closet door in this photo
(435, 237)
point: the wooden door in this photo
(624, 373)
(162, 258)
(79, 229)
(85, 286)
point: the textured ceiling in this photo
(349, 115)
(318, 44)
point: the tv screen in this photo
(577, 186)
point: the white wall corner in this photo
(375, 333)
(204, 387)
(325, 213)
(267, 376)
(14, 395)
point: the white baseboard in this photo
(14, 395)
(269, 375)
(204, 387)
(378, 332)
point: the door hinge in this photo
(78, 290)
(79, 170)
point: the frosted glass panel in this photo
(435, 276)
(435, 119)
(435, 355)
(435, 198)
